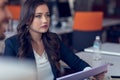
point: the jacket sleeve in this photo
(73, 61)
(9, 48)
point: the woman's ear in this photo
(29, 22)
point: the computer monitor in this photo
(64, 12)
(63, 9)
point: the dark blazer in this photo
(12, 45)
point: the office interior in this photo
(63, 11)
(63, 17)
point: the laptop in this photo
(81, 75)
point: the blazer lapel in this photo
(30, 54)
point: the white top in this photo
(43, 67)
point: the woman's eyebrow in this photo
(41, 13)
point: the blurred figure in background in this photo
(4, 21)
(4, 17)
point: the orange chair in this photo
(88, 21)
(15, 11)
(87, 25)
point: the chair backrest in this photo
(87, 25)
(82, 39)
(15, 11)
(88, 21)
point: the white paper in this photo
(85, 74)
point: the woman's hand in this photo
(100, 76)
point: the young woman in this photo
(34, 41)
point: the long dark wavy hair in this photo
(50, 40)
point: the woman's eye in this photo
(38, 16)
(48, 15)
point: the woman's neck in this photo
(37, 43)
(36, 38)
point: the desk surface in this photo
(114, 69)
(110, 22)
(107, 48)
(68, 29)
(64, 30)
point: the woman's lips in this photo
(45, 26)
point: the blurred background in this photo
(63, 20)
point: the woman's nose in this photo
(44, 19)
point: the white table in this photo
(69, 28)
(63, 30)
(110, 22)
(114, 69)
(107, 49)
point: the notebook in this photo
(85, 74)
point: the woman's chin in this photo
(43, 31)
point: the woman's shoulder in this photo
(13, 38)
(56, 38)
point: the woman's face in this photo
(5, 15)
(41, 19)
